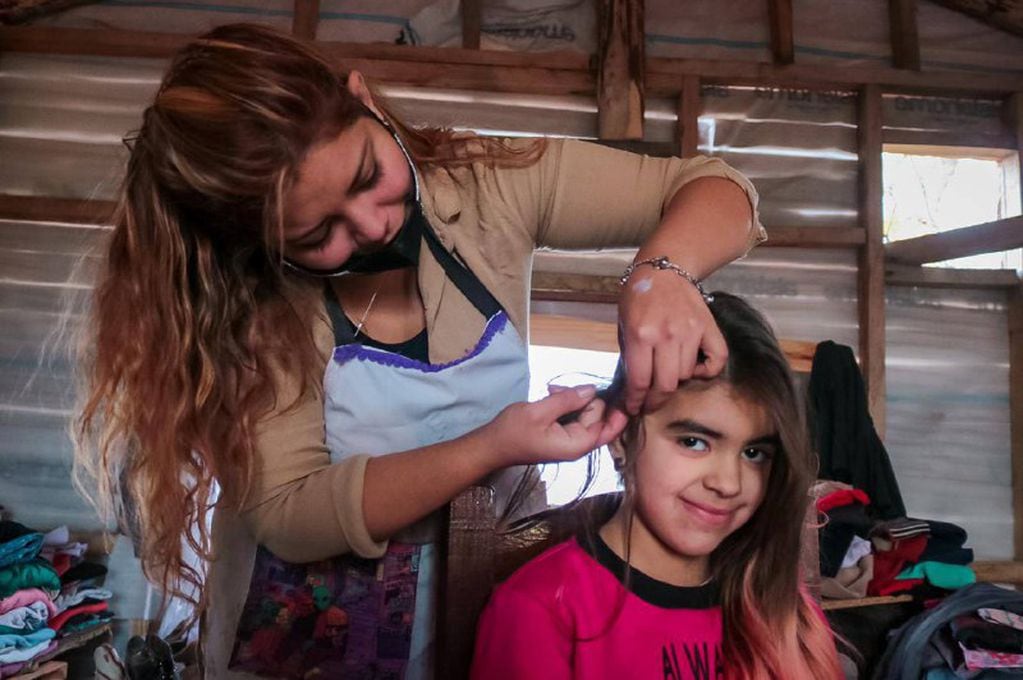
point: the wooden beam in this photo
(47, 209)
(1004, 571)
(782, 42)
(960, 140)
(620, 56)
(689, 116)
(814, 237)
(871, 260)
(991, 237)
(940, 277)
(305, 19)
(662, 77)
(1015, 310)
(905, 38)
(541, 73)
(472, 20)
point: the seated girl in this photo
(697, 573)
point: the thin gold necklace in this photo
(362, 321)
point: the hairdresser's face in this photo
(703, 468)
(349, 195)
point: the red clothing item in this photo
(565, 615)
(889, 563)
(896, 587)
(58, 621)
(837, 499)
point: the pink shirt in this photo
(566, 615)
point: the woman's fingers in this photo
(638, 371)
(668, 370)
(715, 353)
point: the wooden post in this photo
(871, 260)
(305, 19)
(472, 19)
(782, 42)
(620, 59)
(688, 116)
(1015, 300)
(904, 35)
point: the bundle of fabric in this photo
(846, 562)
(920, 557)
(847, 444)
(27, 583)
(82, 604)
(47, 591)
(975, 633)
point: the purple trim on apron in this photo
(347, 353)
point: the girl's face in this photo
(349, 195)
(701, 472)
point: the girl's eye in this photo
(755, 455)
(694, 443)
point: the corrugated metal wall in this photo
(61, 121)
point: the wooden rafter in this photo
(871, 262)
(305, 19)
(1006, 15)
(48, 209)
(941, 277)
(905, 37)
(991, 237)
(782, 42)
(537, 73)
(472, 23)
(689, 116)
(620, 59)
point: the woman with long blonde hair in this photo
(313, 317)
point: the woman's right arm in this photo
(303, 508)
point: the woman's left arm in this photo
(664, 323)
(698, 212)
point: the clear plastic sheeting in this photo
(808, 295)
(62, 121)
(983, 117)
(797, 146)
(948, 410)
(43, 291)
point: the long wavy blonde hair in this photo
(192, 313)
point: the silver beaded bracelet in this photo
(662, 262)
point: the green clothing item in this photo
(941, 575)
(35, 574)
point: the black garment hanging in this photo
(849, 448)
(417, 347)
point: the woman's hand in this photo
(528, 433)
(663, 324)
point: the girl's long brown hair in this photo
(192, 316)
(772, 631)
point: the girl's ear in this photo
(357, 86)
(617, 452)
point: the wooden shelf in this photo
(834, 605)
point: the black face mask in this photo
(402, 250)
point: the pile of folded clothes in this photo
(862, 557)
(47, 591)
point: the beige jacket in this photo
(577, 196)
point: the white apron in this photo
(355, 618)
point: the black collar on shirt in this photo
(646, 588)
